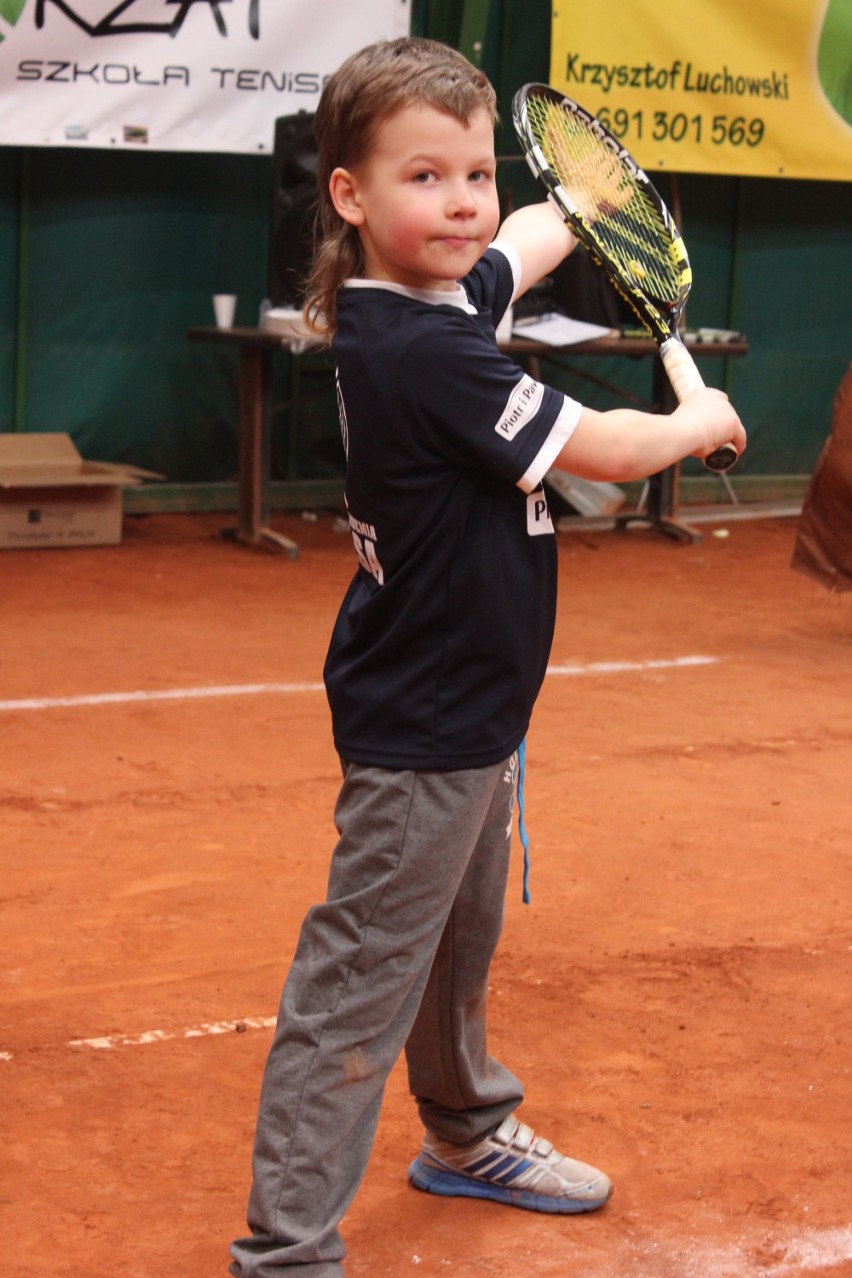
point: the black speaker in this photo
(294, 190)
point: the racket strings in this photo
(619, 215)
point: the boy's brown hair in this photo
(367, 89)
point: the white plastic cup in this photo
(224, 306)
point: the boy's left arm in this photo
(541, 238)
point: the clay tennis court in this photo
(676, 996)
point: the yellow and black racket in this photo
(616, 214)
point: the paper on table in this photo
(560, 330)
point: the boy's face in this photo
(425, 201)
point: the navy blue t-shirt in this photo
(443, 637)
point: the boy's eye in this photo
(480, 175)
(423, 177)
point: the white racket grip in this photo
(685, 378)
(681, 368)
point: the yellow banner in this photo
(715, 86)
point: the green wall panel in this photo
(9, 192)
(125, 252)
(793, 285)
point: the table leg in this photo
(253, 521)
(657, 514)
(662, 487)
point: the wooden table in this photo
(257, 349)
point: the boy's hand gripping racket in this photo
(616, 214)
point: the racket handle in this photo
(685, 378)
(681, 368)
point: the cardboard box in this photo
(50, 496)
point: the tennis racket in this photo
(617, 215)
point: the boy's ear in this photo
(343, 190)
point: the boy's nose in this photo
(461, 202)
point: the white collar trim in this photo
(434, 296)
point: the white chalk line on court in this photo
(626, 667)
(109, 1041)
(160, 694)
(284, 689)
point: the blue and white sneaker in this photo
(514, 1166)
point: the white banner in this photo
(174, 75)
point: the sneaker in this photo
(513, 1166)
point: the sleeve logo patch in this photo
(524, 403)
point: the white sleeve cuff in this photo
(514, 258)
(561, 431)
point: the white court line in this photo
(164, 694)
(622, 667)
(208, 1030)
(277, 689)
(163, 1036)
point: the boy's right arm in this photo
(621, 444)
(624, 444)
(540, 237)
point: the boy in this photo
(436, 658)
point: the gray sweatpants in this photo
(397, 957)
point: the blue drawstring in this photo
(525, 843)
